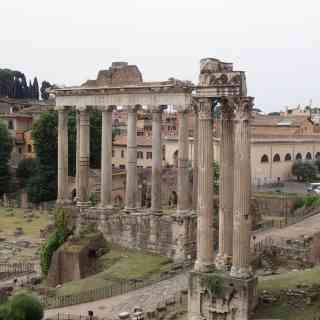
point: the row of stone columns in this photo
(234, 191)
(83, 156)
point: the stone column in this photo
(106, 159)
(226, 185)
(132, 173)
(78, 155)
(205, 256)
(84, 156)
(195, 161)
(242, 188)
(62, 155)
(156, 159)
(183, 205)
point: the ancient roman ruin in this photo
(221, 286)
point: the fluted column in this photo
(77, 155)
(195, 161)
(132, 173)
(242, 188)
(84, 156)
(62, 155)
(156, 159)
(205, 255)
(226, 185)
(183, 204)
(106, 159)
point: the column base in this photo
(241, 273)
(105, 207)
(223, 262)
(83, 204)
(63, 202)
(204, 267)
(128, 210)
(183, 212)
(218, 296)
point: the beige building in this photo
(277, 141)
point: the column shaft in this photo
(205, 255)
(132, 174)
(242, 189)
(195, 162)
(183, 172)
(156, 161)
(84, 157)
(78, 155)
(62, 156)
(226, 187)
(106, 159)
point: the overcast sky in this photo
(67, 41)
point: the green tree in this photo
(44, 86)
(304, 171)
(26, 168)
(43, 185)
(216, 176)
(5, 152)
(35, 89)
(25, 307)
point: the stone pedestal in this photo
(183, 205)
(106, 159)
(84, 157)
(217, 296)
(62, 156)
(132, 173)
(205, 255)
(224, 257)
(242, 190)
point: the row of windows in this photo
(140, 154)
(288, 157)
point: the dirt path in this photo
(147, 298)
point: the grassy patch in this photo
(8, 224)
(285, 281)
(119, 264)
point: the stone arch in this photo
(288, 157)
(276, 158)
(298, 156)
(264, 159)
(308, 156)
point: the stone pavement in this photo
(147, 298)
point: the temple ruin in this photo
(222, 285)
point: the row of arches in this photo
(289, 157)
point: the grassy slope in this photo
(31, 229)
(285, 281)
(118, 264)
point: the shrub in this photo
(25, 307)
(4, 311)
(55, 240)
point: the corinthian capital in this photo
(244, 107)
(228, 106)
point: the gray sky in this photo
(67, 41)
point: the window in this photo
(298, 156)
(122, 153)
(112, 153)
(318, 155)
(29, 148)
(276, 157)
(149, 155)
(140, 155)
(20, 150)
(308, 156)
(288, 157)
(264, 159)
(10, 125)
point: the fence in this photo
(116, 289)
(67, 316)
(7, 270)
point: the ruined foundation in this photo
(218, 296)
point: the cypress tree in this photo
(35, 89)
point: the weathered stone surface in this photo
(74, 260)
